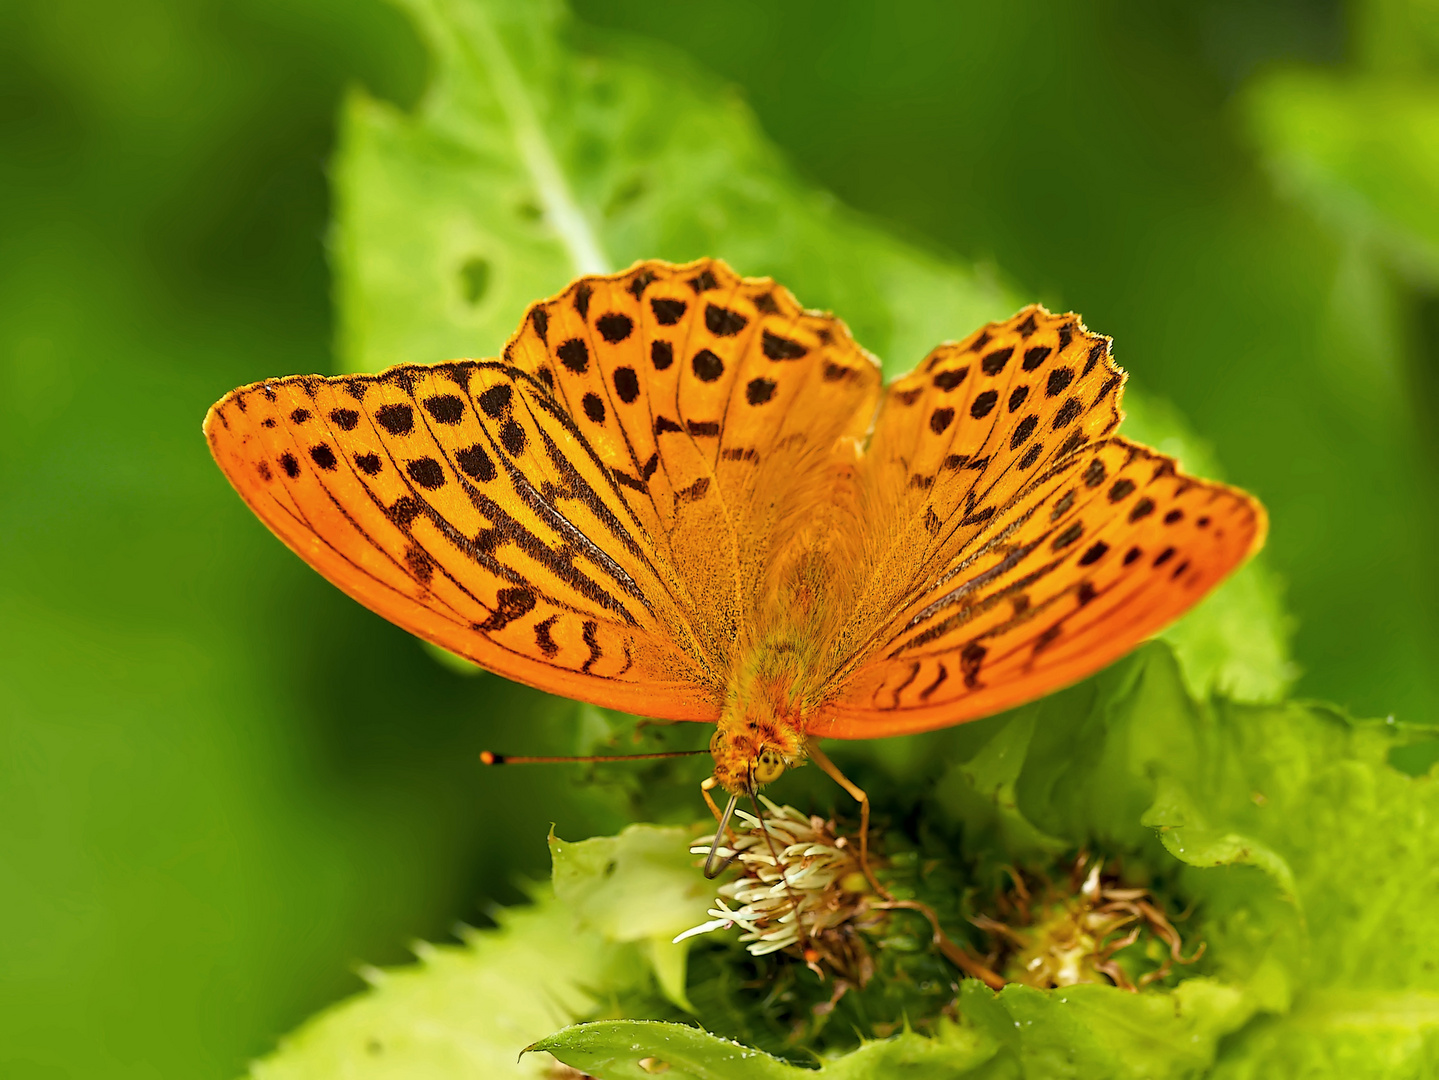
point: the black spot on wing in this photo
(707, 366)
(781, 348)
(543, 639)
(594, 408)
(667, 311)
(1035, 356)
(639, 283)
(446, 408)
(759, 391)
(1023, 430)
(426, 472)
(994, 362)
(575, 355)
(345, 419)
(1059, 378)
(948, 380)
(1094, 354)
(627, 384)
(615, 326)
(510, 604)
(983, 404)
(495, 400)
(1067, 414)
(396, 419)
(475, 463)
(723, 322)
(512, 438)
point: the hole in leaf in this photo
(475, 279)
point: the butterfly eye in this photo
(716, 742)
(769, 766)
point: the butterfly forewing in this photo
(592, 514)
(458, 502)
(1046, 551)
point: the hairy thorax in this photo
(762, 729)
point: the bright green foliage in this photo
(540, 159)
(613, 1050)
(463, 1011)
(1310, 864)
(223, 781)
(1364, 152)
(637, 886)
(1362, 148)
(1251, 814)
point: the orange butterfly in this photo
(680, 494)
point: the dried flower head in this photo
(1073, 932)
(800, 888)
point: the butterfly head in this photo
(749, 756)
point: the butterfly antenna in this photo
(489, 757)
(711, 869)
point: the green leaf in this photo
(614, 1050)
(632, 886)
(1314, 862)
(452, 661)
(638, 886)
(982, 794)
(535, 156)
(462, 1011)
(1102, 1031)
(1356, 1035)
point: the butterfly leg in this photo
(820, 758)
(706, 786)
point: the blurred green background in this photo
(223, 785)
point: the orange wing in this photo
(717, 402)
(1015, 545)
(581, 515)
